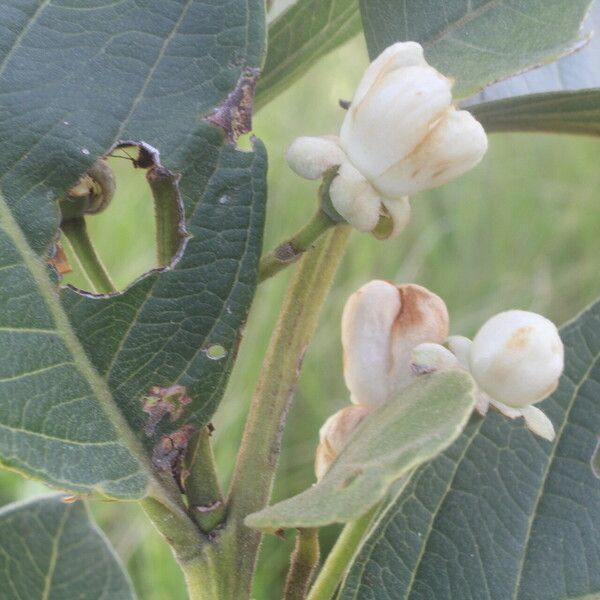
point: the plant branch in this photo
(289, 251)
(340, 557)
(303, 564)
(168, 213)
(76, 232)
(260, 447)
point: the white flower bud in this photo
(310, 157)
(460, 346)
(401, 135)
(334, 434)
(517, 357)
(428, 357)
(381, 324)
(402, 131)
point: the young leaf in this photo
(477, 42)
(392, 441)
(555, 112)
(308, 30)
(501, 514)
(154, 72)
(49, 549)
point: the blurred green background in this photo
(520, 231)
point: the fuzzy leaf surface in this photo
(52, 551)
(501, 514)
(392, 441)
(477, 42)
(75, 78)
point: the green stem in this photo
(340, 557)
(168, 213)
(303, 564)
(291, 250)
(201, 483)
(259, 450)
(76, 232)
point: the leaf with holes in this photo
(501, 514)
(48, 549)
(392, 441)
(78, 376)
(308, 30)
(480, 41)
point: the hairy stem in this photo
(259, 451)
(201, 483)
(303, 564)
(340, 557)
(76, 232)
(291, 250)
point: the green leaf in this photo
(74, 82)
(299, 37)
(52, 551)
(480, 41)
(502, 513)
(554, 112)
(392, 441)
(577, 71)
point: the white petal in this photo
(367, 322)
(354, 198)
(460, 346)
(310, 157)
(538, 423)
(517, 357)
(423, 317)
(393, 118)
(452, 147)
(507, 411)
(396, 56)
(399, 211)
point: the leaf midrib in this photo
(48, 578)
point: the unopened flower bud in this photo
(381, 324)
(401, 135)
(334, 434)
(428, 357)
(517, 357)
(460, 346)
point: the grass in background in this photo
(520, 231)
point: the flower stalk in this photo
(303, 564)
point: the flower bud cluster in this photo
(394, 333)
(401, 135)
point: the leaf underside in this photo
(391, 442)
(501, 514)
(476, 42)
(51, 550)
(73, 82)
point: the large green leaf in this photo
(74, 79)
(52, 551)
(580, 70)
(392, 441)
(308, 30)
(554, 112)
(501, 514)
(477, 41)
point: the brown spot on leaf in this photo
(170, 450)
(162, 401)
(234, 114)
(59, 260)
